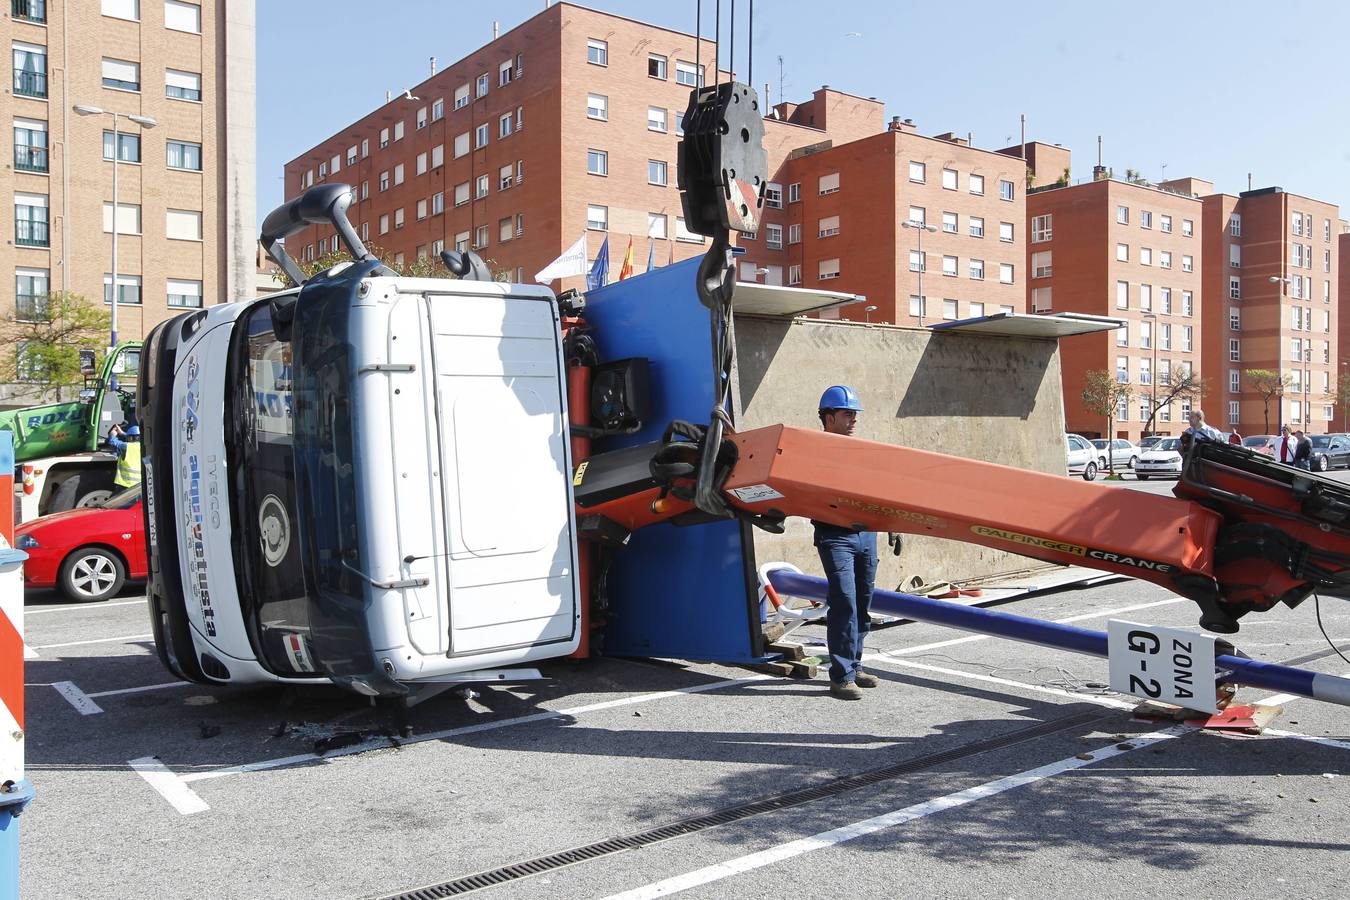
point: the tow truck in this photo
(57, 455)
(386, 482)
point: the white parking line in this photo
(43, 610)
(174, 787)
(112, 640)
(78, 698)
(1324, 741)
(824, 839)
(148, 687)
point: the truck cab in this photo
(318, 495)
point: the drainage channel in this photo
(832, 788)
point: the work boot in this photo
(866, 680)
(845, 690)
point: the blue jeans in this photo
(850, 562)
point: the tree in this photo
(1268, 385)
(1184, 384)
(420, 267)
(1341, 397)
(1102, 394)
(45, 339)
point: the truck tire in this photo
(82, 489)
(91, 574)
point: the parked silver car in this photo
(1123, 454)
(1162, 459)
(1081, 456)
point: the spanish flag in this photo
(627, 268)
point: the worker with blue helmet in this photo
(128, 454)
(849, 557)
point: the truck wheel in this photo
(1090, 471)
(75, 491)
(91, 574)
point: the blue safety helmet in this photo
(840, 396)
(134, 431)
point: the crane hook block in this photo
(723, 169)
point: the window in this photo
(520, 227)
(1296, 287)
(1235, 255)
(949, 309)
(918, 262)
(829, 184)
(384, 224)
(1122, 295)
(31, 287)
(1234, 318)
(1123, 215)
(520, 117)
(795, 233)
(597, 217)
(656, 226)
(480, 136)
(829, 268)
(1041, 265)
(351, 155)
(461, 194)
(438, 156)
(1326, 321)
(1326, 292)
(504, 125)
(1187, 303)
(656, 66)
(1165, 259)
(128, 147)
(1187, 227)
(121, 75)
(520, 171)
(398, 130)
(398, 174)
(1165, 336)
(438, 203)
(657, 118)
(1296, 349)
(1145, 371)
(597, 52)
(795, 192)
(1145, 256)
(1298, 223)
(481, 85)
(1146, 297)
(505, 177)
(917, 306)
(506, 229)
(1298, 256)
(1005, 273)
(384, 138)
(975, 225)
(1042, 229)
(398, 217)
(461, 144)
(597, 107)
(773, 237)
(183, 225)
(128, 217)
(1165, 300)
(949, 179)
(183, 294)
(597, 162)
(949, 223)
(421, 210)
(1187, 333)
(421, 118)
(1145, 219)
(461, 96)
(421, 164)
(480, 237)
(180, 16)
(688, 74)
(1146, 335)
(462, 241)
(1122, 252)
(30, 145)
(1123, 336)
(1326, 260)
(682, 233)
(1005, 232)
(1296, 315)
(481, 186)
(949, 265)
(1187, 263)
(656, 173)
(773, 195)
(384, 181)
(116, 9)
(918, 215)
(977, 269)
(437, 113)
(1005, 189)
(1234, 288)
(977, 310)
(323, 170)
(187, 86)
(976, 184)
(30, 70)
(794, 275)
(1165, 224)
(504, 73)
(1123, 369)
(128, 289)
(917, 172)
(828, 227)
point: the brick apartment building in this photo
(1128, 250)
(1271, 292)
(1342, 322)
(189, 67)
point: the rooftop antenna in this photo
(1249, 181)
(1099, 151)
(1164, 172)
(781, 97)
(1024, 137)
(433, 65)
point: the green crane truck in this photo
(58, 462)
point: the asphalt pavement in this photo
(978, 768)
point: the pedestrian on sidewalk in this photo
(1287, 447)
(1303, 452)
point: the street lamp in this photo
(921, 228)
(1153, 372)
(145, 122)
(867, 313)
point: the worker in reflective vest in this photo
(128, 455)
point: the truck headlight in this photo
(27, 542)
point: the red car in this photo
(89, 553)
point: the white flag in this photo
(572, 262)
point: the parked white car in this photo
(1081, 456)
(1123, 454)
(1162, 460)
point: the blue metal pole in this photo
(1231, 669)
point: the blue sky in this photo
(1214, 90)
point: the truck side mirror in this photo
(87, 363)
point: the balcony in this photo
(29, 10)
(30, 84)
(30, 233)
(30, 159)
(30, 307)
